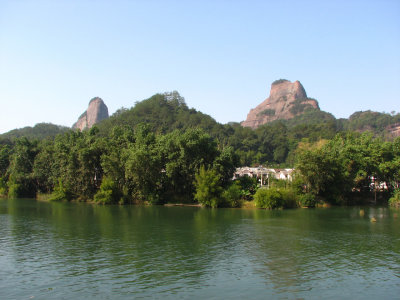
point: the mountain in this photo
(394, 130)
(286, 100)
(39, 131)
(96, 112)
(383, 124)
(166, 112)
(162, 113)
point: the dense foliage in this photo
(280, 81)
(39, 131)
(161, 151)
(129, 165)
(374, 122)
(395, 199)
(336, 169)
(269, 144)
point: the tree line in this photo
(125, 167)
(161, 151)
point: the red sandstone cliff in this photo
(394, 130)
(286, 100)
(96, 112)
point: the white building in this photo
(264, 173)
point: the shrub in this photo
(248, 186)
(104, 197)
(208, 189)
(289, 198)
(395, 199)
(3, 187)
(108, 193)
(21, 190)
(280, 81)
(232, 195)
(307, 200)
(14, 190)
(268, 198)
(61, 192)
(267, 112)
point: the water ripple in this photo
(64, 251)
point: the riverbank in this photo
(245, 204)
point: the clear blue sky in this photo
(221, 56)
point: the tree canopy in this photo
(160, 150)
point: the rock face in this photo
(286, 100)
(96, 112)
(394, 130)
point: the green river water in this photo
(82, 251)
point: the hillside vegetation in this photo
(39, 131)
(160, 151)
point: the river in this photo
(77, 251)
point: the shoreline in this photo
(245, 204)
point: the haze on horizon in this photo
(221, 56)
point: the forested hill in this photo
(274, 143)
(168, 111)
(156, 150)
(39, 131)
(270, 144)
(378, 123)
(163, 113)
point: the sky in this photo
(222, 56)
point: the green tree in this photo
(43, 167)
(322, 172)
(109, 192)
(225, 165)
(5, 153)
(115, 156)
(345, 165)
(248, 186)
(20, 179)
(77, 162)
(232, 195)
(183, 155)
(144, 166)
(208, 188)
(268, 198)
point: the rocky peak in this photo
(394, 130)
(96, 112)
(286, 100)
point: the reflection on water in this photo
(64, 250)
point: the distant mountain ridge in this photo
(39, 131)
(168, 111)
(288, 102)
(376, 122)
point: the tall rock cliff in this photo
(96, 112)
(286, 100)
(394, 130)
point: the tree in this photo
(43, 167)
(5, 153)
(322, 172)
(20, 180)
(77, 162)
(336, 169)
(144, 166)
(109, 192)
(225, 165)
(183, 155)
(208, 189)
(268, 198)
(232, 195)
(115, 156)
